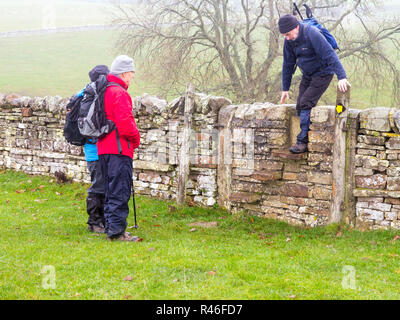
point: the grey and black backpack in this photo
(92, 121)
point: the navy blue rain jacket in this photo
(313, 54)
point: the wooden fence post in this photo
(339, 157)
(184, 153)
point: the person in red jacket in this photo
(115, 150)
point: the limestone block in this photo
(393, 143)
(385, 207)
(322, 193)
(378, 141)
(150, 177)
(377, 181)
(54, 104)
(360, 171)
(321, 137)
(152, 166)
(204, 104)
(294, 190)
(376, 119)
(323, 115)
(393, 171)
(370, 214)
(319, 177)
(245, 197)
(370, 162)
(393, 183)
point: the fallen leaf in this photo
(155, 215)
(157, 225)
(192, 230)
(20, 191)
(139, 240)
(128, 278)
(41, 187)
(128, 297)
(7, 201)
(397, 271)
(396, 238)
(288, 239)
(269, 243)
(211, 273)
(251, 220)
(293, 296)
(339, 234)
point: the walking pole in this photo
(134, 206)
(297, 9)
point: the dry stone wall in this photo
(239, 156)
(377, 169)
(269, 181)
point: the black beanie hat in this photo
(97, 71)
(287, 23)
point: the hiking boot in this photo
(124, 237)
(299, 148)
(96, 229)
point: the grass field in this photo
(57, 64)
(44, 237)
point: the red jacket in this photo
(118, 108)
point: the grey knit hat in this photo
(122, 64)
(287, 23)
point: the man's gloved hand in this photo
(343, 85)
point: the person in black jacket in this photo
(307, 47)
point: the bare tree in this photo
(234, 46)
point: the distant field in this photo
(38, 14)
(57, 64)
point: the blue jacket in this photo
(89, 148)
(313, 54)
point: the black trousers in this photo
(117, 171)
(310, 91)
(95, 197)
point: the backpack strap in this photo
(116, 130)
(114, 84)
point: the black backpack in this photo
(92, 121)
(71, 130)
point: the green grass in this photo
(250, 257)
